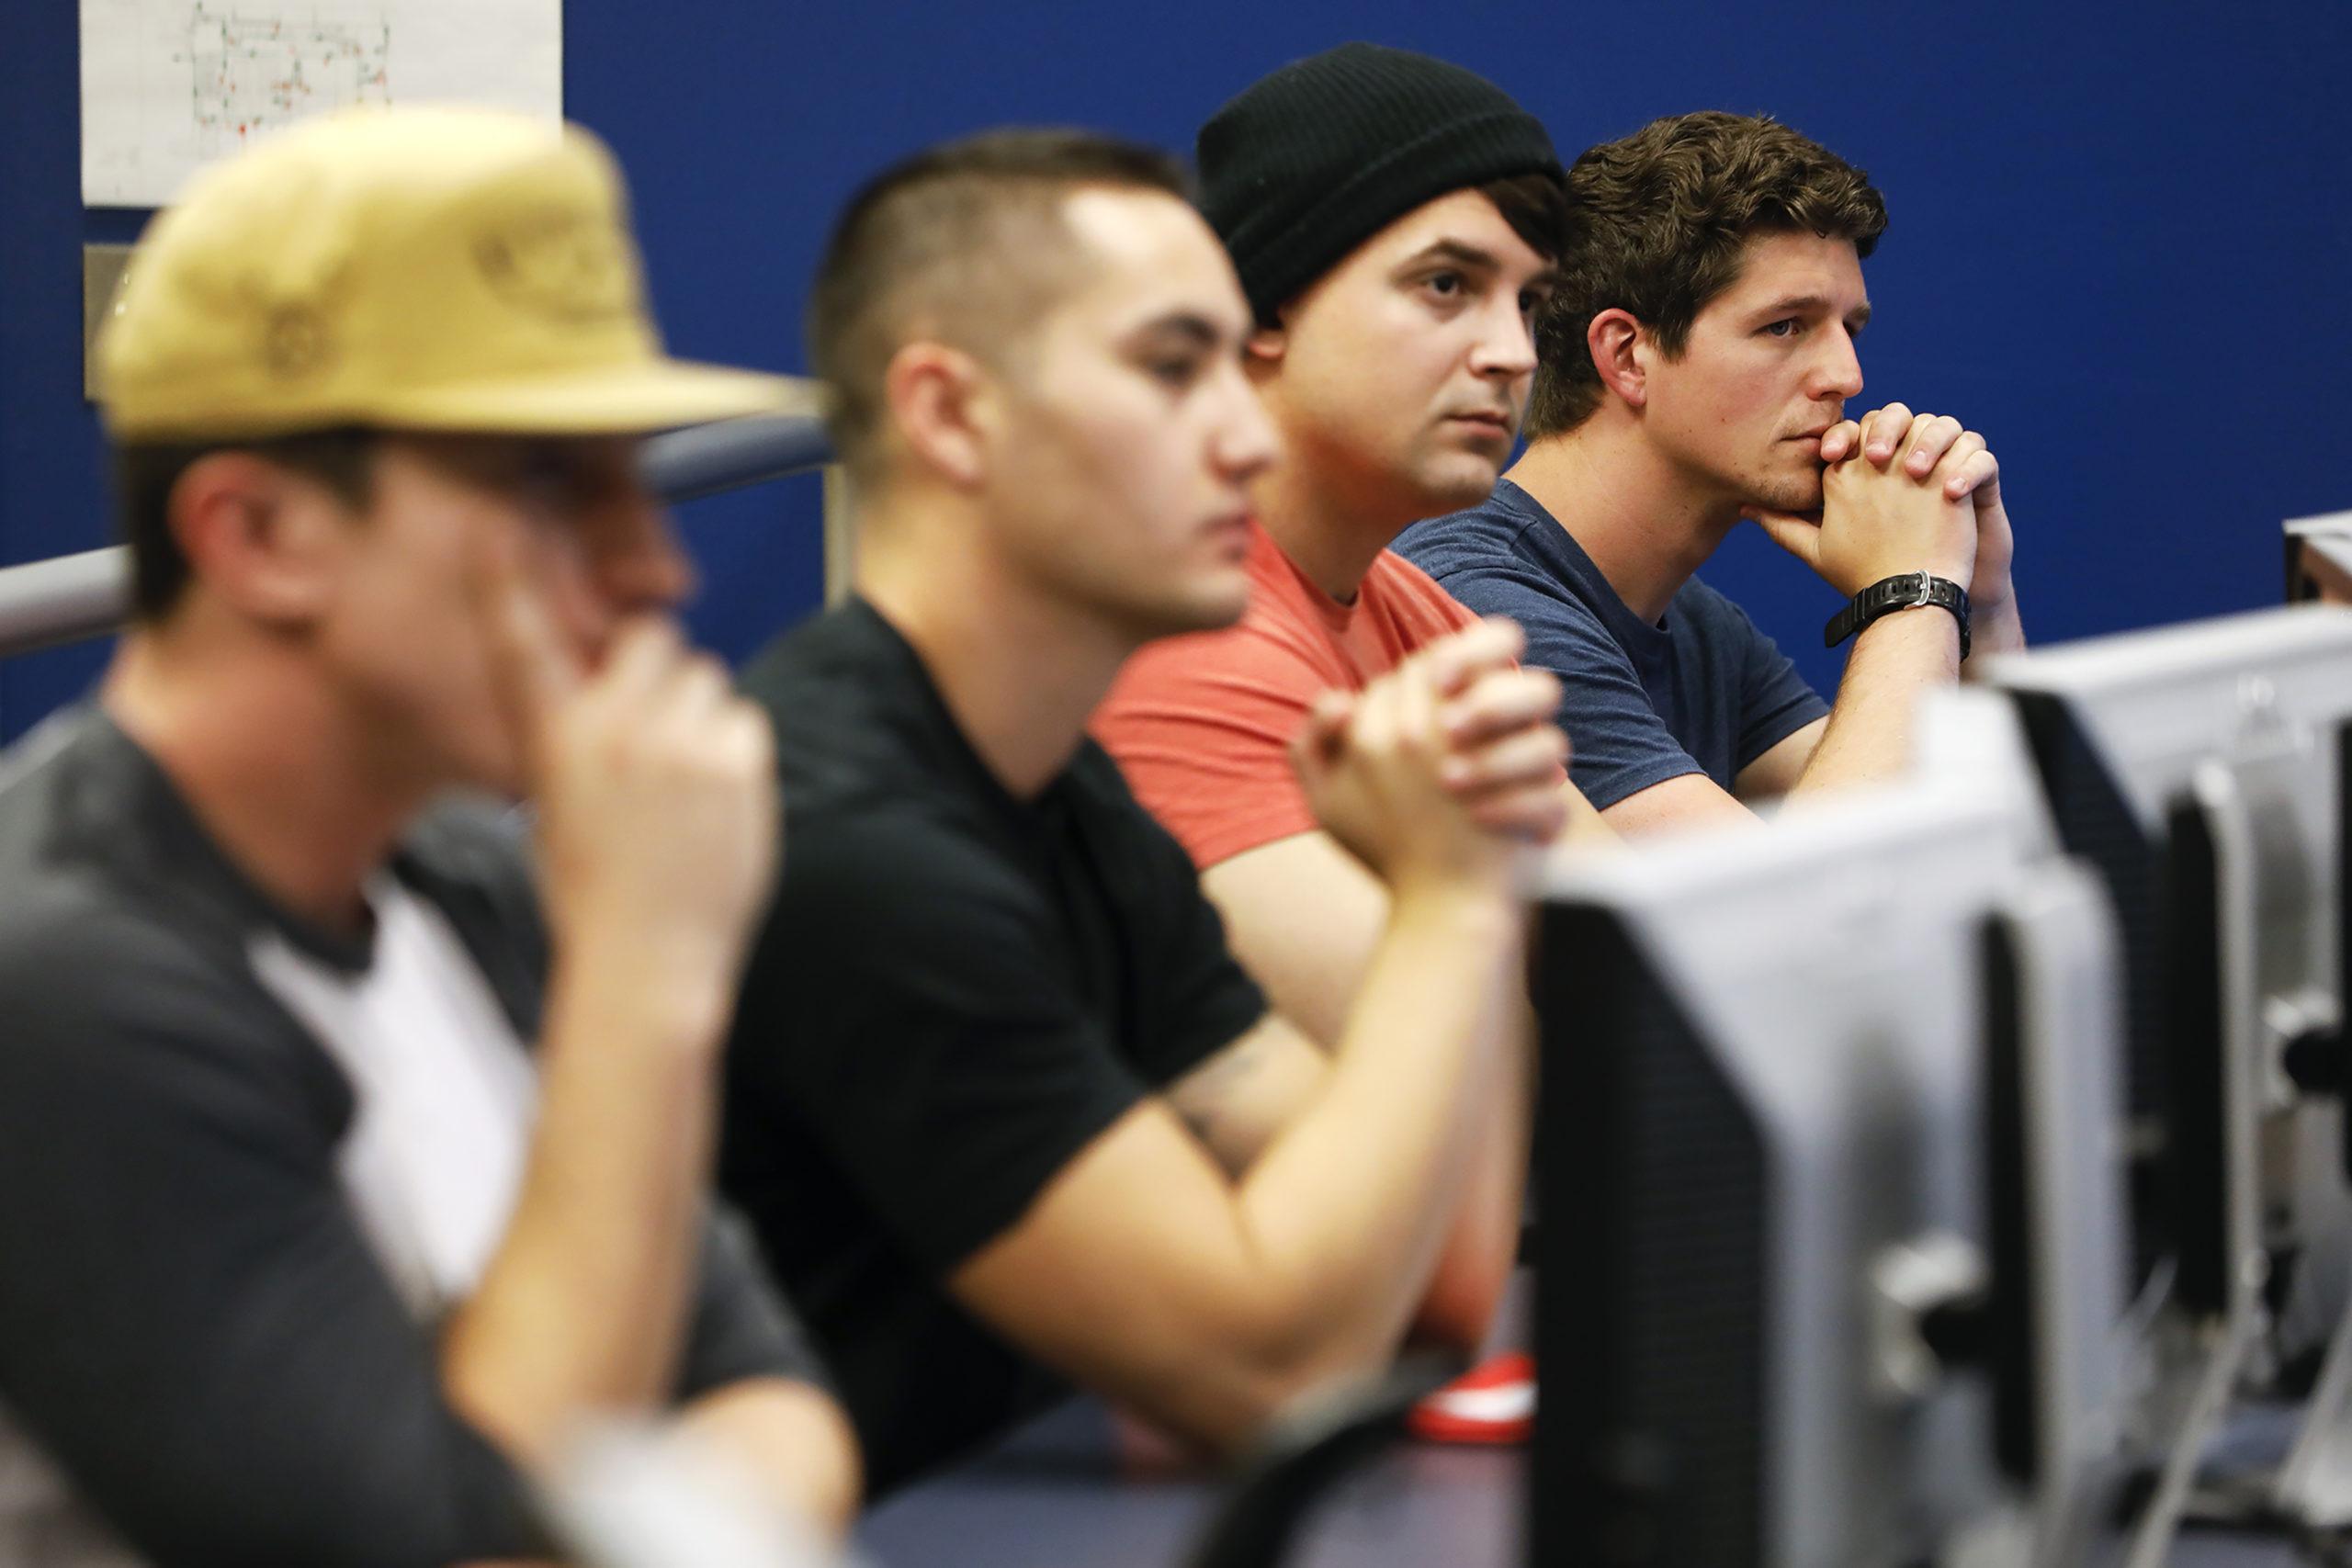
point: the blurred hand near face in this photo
(658, 823)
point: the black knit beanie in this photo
(1310, 162)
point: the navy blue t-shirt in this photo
(1701, 691)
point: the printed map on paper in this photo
(168, 85)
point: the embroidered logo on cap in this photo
(295, 316)
(568, 264)
(294, 341)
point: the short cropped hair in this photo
(1662, 221)
(343, 460)
(964, 242)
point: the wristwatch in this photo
(1907, 592)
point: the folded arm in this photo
(1206, 1301)
(1307, 918)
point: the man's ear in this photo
(1620, 349)
(937, 398)
(266, 541)
(1264, 347)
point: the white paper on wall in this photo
(169, 85)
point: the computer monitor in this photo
(1832, 1259)
(2201, 769)
(2185, 1344)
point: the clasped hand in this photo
(1441, 768)
(1904, 493)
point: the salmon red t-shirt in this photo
(1202, 724)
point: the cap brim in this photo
(619, 401)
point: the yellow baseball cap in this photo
(414, 268)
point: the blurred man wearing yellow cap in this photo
(308, 1261)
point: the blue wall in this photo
(2122, 241)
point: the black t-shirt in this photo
(194, 1328)
(956, 992)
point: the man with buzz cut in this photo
(1696, 358)
(1007, 1116)
(306, 1261)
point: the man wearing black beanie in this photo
(1320, 156)
(1395, 221)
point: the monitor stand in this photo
(2314, 1484)
(2174, 1499)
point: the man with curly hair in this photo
(1694, 364)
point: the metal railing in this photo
(65, 599)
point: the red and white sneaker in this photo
(1494, 1402)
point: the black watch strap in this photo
(1909, 591)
